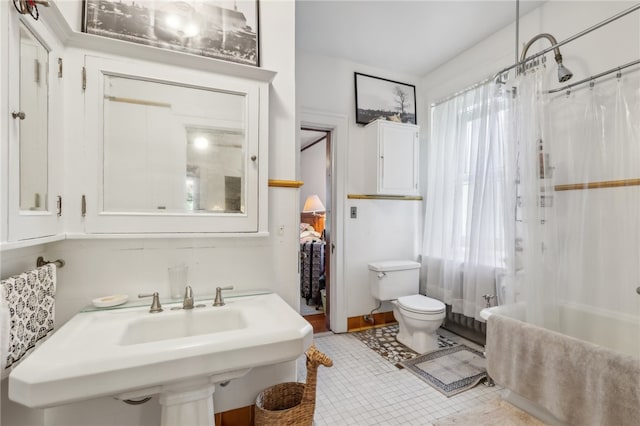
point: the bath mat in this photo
(449, 370)
(382, 340)
(492, 413)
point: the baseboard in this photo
(243, 416)
(381, 318)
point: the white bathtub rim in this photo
(573, 326)
(512, 310)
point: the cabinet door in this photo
(398, 168)
(174, 150)
(35, 131)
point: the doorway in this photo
(315, 227)
(337, 125)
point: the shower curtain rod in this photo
(463, 91)
(593, 77)
(570, 39)
(542, 52)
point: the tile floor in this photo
(363, 388)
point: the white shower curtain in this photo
(578, 202)
(469, 216)
(581, 247)
(515, 203)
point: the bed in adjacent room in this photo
(312, 249)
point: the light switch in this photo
(354, 212)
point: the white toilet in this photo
(418, 316)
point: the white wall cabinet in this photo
(32, 133)
(173, 150)
(148, 180)
(391, 158)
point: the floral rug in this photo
(383, 341)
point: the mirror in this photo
(173, 148)
(34, 93)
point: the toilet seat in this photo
(419, 304)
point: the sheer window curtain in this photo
(468, 242)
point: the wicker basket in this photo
(292, 403)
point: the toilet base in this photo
(419, 342)
(418, 335)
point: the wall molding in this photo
(594, 185)
(281, 183)
(384, 197)
(380, 319)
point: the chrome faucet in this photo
(155, 303)
(187, 302)
(219, 301)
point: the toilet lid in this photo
(419, 303)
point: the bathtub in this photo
(583, 329)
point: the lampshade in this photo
(313, 204)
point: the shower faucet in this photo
(487, 298)
(563, 73)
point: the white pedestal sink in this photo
(179, 355)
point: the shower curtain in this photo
(578, 232)
(468, 233)
(503, 213)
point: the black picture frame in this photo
(380, 98)
(226, 30)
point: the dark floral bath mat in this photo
(383, 341)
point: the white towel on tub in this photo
(30, 298)
(578, 382)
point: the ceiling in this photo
(412, 37)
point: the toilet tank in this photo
(392, 279)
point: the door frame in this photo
(338, 126)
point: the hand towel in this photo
(30, 298)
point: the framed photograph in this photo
(385, 99)
(226, 29)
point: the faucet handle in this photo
(155, 303)
(219, 301)
(187, 302)
(487, 298)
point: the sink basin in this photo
(133, 352)
(177, 324)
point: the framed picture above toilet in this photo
(379, 98)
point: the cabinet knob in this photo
(254, 158)
(21, 115)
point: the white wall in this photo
(605, 48)
(101, 267)
(383, 230)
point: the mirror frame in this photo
(27, 224)
(254, 220)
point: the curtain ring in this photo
(592, 83)
(619, 74)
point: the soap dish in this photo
(108, 301)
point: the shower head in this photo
(563, 72)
